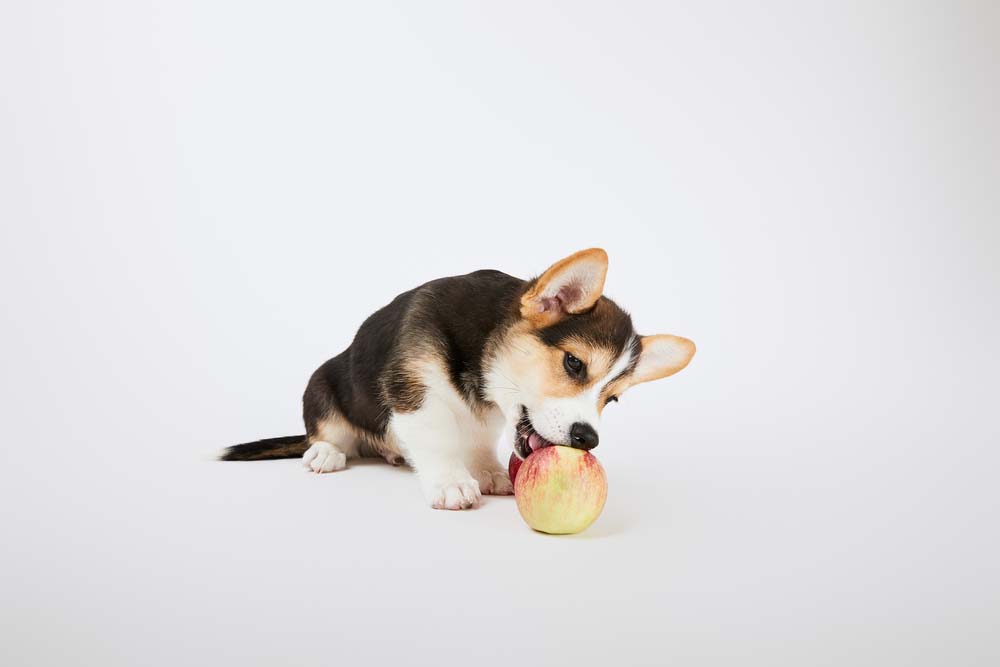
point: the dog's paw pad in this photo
(495, 483)
(324, 457)
(455, 496)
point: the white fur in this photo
(452, 448)
(504, 391)
(324, 457)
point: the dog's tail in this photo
(287, 447)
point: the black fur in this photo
(350, 383)
(605, 325)
(453, 317)
(290, 446)
(460, 315)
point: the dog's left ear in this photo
(571, 285)
(662, 356)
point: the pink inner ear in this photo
(570, 294)
(566, 296)
(549, 303)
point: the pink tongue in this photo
(536, 442)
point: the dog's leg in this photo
(331, 443)
(482, 458)
(433, 442)
(489, 472)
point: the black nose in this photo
(583, 436)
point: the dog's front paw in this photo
(494, 482)
(454, 495)
(324, 457)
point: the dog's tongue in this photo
(536, 442)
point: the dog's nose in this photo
(583, 436)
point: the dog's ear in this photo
(571, 285)
(662, 356)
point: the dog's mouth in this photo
(526, 438)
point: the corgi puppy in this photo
(434, 378)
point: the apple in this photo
(513, 466)
(560, 490)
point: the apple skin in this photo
(560, 490)
(513, 465)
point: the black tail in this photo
(288, 447)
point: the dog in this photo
(434, 378)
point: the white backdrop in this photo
(200, 201)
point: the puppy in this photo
(433, 378)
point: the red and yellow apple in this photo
(559, 490)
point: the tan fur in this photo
(533, 307)
(528, 357)
(353, 441)
(598, 359)
(336, 430)
(671, 353)
(408, 380)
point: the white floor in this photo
(713, 547)
(199, 203)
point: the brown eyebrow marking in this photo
(598, 359)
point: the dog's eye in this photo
(611, 399)
(573, 365)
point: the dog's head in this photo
(571, 352)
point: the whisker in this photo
(508, 379)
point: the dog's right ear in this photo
(571, 285)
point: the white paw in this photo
(457, 495)
(494, 482)
(324, 457)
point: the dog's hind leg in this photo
(331, 442)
